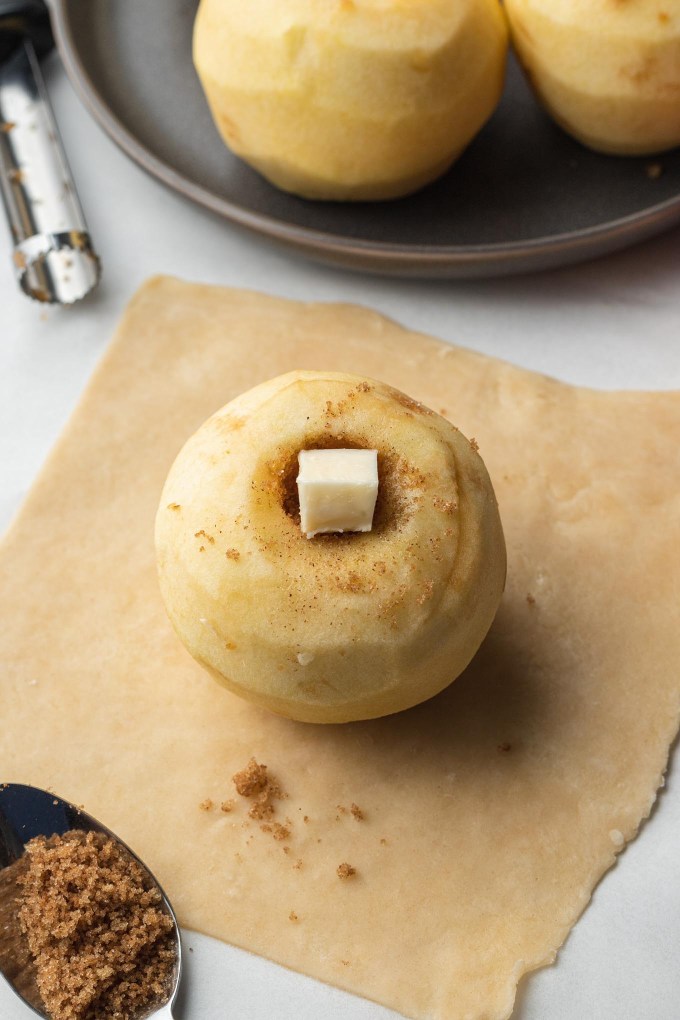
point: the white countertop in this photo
(614, 323)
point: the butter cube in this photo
(337, 490)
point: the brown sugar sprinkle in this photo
(233, 554)
(254, 782)
(206, 805)
(280, 832)
(346, 870)
(252, 779)
(293, 916)
(204, 534)
(357, 812)
(449, 506)
(174, 506)
(230, 646)
(99, 935)
(474, 444)
(298, 864)
(227, 806)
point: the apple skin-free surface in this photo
(339, 627)
(355, 99)
(608, 72)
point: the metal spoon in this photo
(26, 812)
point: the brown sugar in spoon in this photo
(85, 928)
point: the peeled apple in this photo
(607, 70)
(350, 99)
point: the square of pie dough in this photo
(476, 825)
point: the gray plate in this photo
(524, 196)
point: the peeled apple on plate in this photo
(350, 99)
(607, 70)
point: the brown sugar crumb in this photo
(342, 810)
(305, 819)
(383, 841)
(204, 534)
(530, 599)
(505, 747)
(362, 387)
(174, 506)
(280, 832)
(654, 171)
(474, 444)
(233, 554)
(357, 812)
(293, 916)
(345, 963)
(96, 927)
(206, 805)
(346, 870)
(428, 588)
(227, 806)
(298, 864)
(252, 779)
(230, 646)
(254, 782)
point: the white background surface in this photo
(614, 323)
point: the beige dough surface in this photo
(490, 812)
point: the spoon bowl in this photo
(27, 812)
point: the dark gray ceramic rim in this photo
(402, 260)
